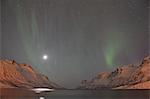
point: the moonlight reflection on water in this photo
(75, 94)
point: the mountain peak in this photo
(13, 74)
(126, 76)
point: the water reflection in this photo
(75, 94)
(41, 98)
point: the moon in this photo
(45, 57)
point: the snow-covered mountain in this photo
(124, 77)
(17, 75)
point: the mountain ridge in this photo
(124, 77)
(15, 75)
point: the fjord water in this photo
(75, 94)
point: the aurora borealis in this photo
(79, 37)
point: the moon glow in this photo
(45, 57)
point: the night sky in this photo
(73, 40)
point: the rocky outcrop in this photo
(125, 77)
(14, 75)
(142, 85)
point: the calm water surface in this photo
(75, 94)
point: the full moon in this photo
(45, 57)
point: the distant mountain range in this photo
(14, 75)
(124, 77)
